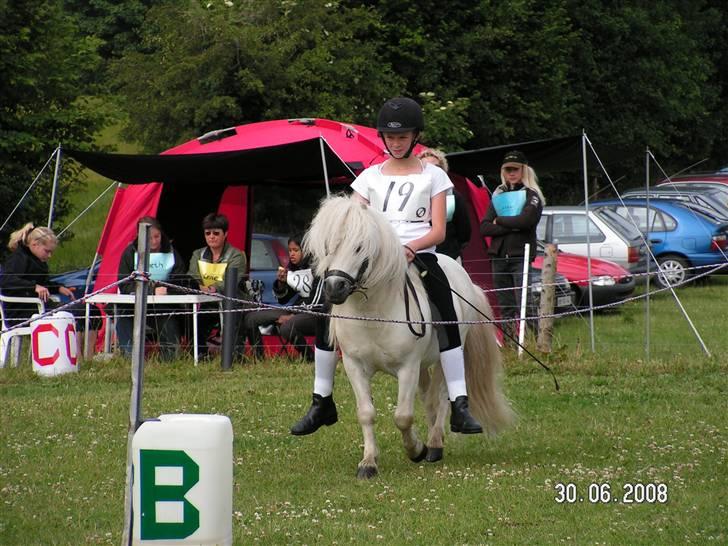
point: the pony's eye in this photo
(358, 250)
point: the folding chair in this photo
(11, 341)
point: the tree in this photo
(42, 62)
(215, 65)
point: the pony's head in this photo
(353, 248)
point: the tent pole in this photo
(85, 291)
(588, 238)
(649, 257)
(649, 250)
(326, 171)
(28, 190)
(56, 174)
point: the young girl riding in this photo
(411, 195)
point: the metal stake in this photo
(137, 371)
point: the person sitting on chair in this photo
(25, 274)
(295, 280)
(165, 264)
(207, 268)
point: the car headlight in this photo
(604, 280)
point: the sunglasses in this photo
(511, 169)
(216, 232)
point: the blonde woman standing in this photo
(510, 222)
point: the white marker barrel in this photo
(53, 344)
(183, 480)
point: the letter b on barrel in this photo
(183, 474)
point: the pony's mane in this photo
(345, 232)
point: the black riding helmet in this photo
(399, 115)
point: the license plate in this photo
(563, 301)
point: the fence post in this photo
(229, 331)
(137, 370)
(548, 290)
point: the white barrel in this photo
(183, 480)
(53, 344)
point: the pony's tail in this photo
(483, 373)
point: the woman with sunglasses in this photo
(510, 222)
(207, 268)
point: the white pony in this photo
(359, 255)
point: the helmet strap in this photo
(415, 141)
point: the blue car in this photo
(267, 253)
(681, 238)
(75, 279)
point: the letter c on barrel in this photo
(44, 360)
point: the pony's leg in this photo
(360, 380)
(438, 407)
(404, 415)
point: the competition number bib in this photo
(403, 198)
(449, 207)
(211, 273)
(509, 203)
(301, 281)
(160, 265)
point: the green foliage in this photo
(446, 122)
(115, 24)
(42, 103)
(205, 67)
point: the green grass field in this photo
(618, 420)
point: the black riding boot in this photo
(322, 412)
(460, 418)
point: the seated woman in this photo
(165, 264)
(295, 280)
(25, 274)
(207, 269)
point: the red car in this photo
(611, 282)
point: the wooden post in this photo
(548, 290)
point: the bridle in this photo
(354, 283)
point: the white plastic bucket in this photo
(53, 344)
(183, 480)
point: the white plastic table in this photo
(173, 299)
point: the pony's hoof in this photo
(434, 454)
(366, 472)
(421, 456)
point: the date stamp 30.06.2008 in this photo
(605, 493)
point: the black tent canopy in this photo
(546, 156)
(291, 163)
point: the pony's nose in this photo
(337, 289)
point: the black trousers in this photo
(508, 275)
(292, 331)
(438, 290)
(322, 329)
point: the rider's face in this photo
(399, 143)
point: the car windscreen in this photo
(621, 225)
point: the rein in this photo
(409, 287)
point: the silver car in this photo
(611, 237)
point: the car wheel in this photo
(673, 270)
